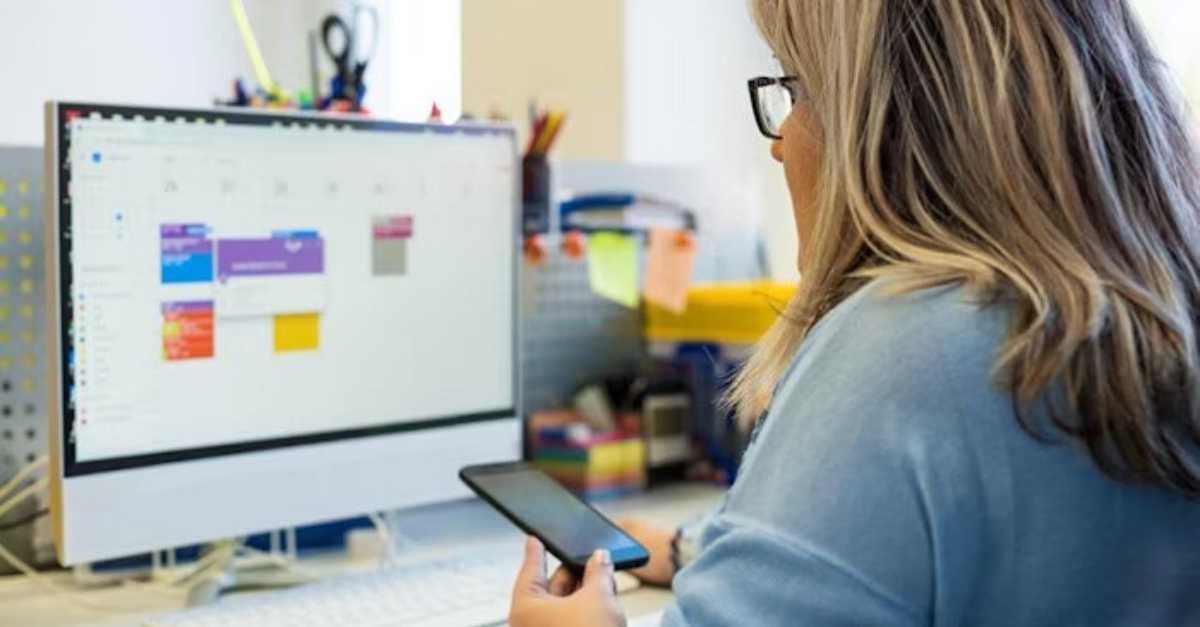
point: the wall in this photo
(659, 81)
(653, 82)
(566, 53)
(181, 53)
(419, 61)
(686, 62)
(1172, 26)
(686, 65)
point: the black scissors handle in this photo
(341, 57)
(350, 63)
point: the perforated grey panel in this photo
(570, 336)
(22, 315)
(22, 323)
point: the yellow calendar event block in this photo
(297, 332)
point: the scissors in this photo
(348, 58)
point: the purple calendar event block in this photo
(187, 306)
(271, 256)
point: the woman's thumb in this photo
(599, 572)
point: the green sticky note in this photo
(612, 267)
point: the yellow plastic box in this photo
(721, 313)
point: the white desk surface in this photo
(25, 603)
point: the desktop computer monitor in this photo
(262, 320)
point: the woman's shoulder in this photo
(910, 370)
(887, 411)
(883, 315)
(921, 340)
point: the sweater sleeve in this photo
(753, 576)
(835, 518)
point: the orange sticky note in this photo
(669, 263)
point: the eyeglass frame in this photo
(789, 83)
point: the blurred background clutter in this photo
(656, 241)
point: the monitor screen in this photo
(236, 282)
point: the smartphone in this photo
(569, 527)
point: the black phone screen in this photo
(556, 515)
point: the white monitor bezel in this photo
(116, 507)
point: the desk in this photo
(25, 603)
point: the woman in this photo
(982, 405)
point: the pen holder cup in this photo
(535, 194)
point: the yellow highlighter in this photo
(549, 132)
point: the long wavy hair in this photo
(1034, 151)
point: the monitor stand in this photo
(222, 569)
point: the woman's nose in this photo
(777, 150)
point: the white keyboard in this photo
(448, 592)
(458, 592)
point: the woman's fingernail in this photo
(603, 556)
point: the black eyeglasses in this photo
(772, 100)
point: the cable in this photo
(385, 534)
(251, 46)
(215, 561)
(29, 469)
(24, 520)
(30, 571)
(22, 495)
(282, 561)
(55, 588)
(20, 564)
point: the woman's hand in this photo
(657, 540)
(564, 600)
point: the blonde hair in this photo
(1034, 152)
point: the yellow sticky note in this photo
(612, 267)
(25, 237)
(670, 260)
(23, 212)
(26, 262)
(297, 332)
(3, 186)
